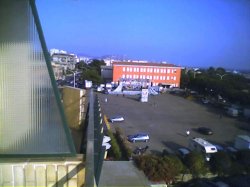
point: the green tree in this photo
(96, 64)
(243, 157)
(82, 65)
(196, 164)
(92, 75)
(211, 71)
(221, 163)
(220, 71)
(232, 87)
(172, 167)
(158, 168)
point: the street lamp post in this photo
(221, 76)
(74, 77)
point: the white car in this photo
(138, 137)
(117, 119)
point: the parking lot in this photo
(166, 118)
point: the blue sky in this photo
(198, 33)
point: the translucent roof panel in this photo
(31, 117)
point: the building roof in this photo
(144, 64)
(63, 54)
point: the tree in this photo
(221, 163)
(92, 75)
(172, 167)
(96, 64)
(196, 164)
(243, 157)
(211, 71)
(232, 87)
(158, 168)
(220, 70)
(81, 65)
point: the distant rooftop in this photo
(145, 64)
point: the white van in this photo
(203, 146)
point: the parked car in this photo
(204, 100)
(205, 130)
(117, 119)
(232, 152)
(183, 152)
(138, 137)
(219, 147)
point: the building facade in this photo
(167, 75)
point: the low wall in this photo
(68, 172)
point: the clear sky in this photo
(198, 33)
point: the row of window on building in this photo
(149, 70)
(150, 77)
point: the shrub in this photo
(115, 149)
(123, 143)
(158, 168)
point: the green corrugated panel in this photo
(31, 116)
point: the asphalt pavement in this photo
(167, 117)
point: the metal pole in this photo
(74, 79)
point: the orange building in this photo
(165, 74)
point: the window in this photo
(154, 70)
(164, 71)
(123, 69)
(174, 77)
(167, 77)
(131, 69)
(157, 70)
(163, 78)
(168, 70)
(123, 76)
(127, 69)
(134, 69)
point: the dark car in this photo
(205, 130)
(182, 152)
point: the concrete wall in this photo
(74, 102)
(26, 172)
